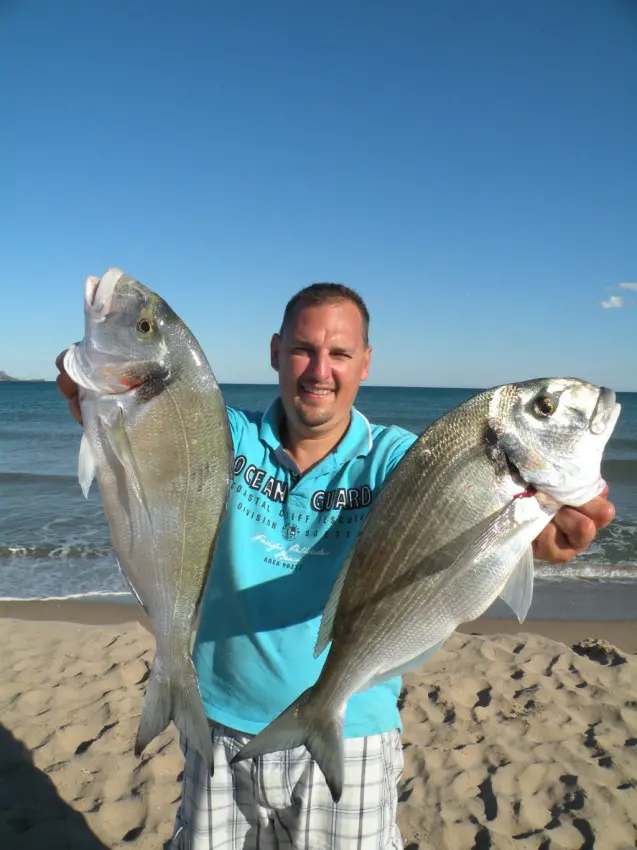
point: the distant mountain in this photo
(5, 377)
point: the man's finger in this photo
(59, 360)
(552, 546)
(599, 510)
(76, 410)
(578, 528)
(66, 386)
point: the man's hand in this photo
(573, 529)
(68, 388)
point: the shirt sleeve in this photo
(237, 422)
(404, 442)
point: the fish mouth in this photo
(516, 476)
(98, 293)
(90, 289)
(606, 412)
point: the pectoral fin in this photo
(518, 591)
(115, 429)
(85, 466)
(518, 516)
(512, 529)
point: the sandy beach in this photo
(513, 738)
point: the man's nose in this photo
(320, 366)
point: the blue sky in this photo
(470, 168)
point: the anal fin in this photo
(132, 588)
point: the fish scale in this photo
(447, 534)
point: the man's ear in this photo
(275, 347)
(366, 363)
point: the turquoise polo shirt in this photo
(282, 543)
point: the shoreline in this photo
(621, 633)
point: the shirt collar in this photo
(356, 442)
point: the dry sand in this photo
(512, 740)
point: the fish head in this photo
(553, 432)
(131, 337)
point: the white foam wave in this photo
(96, 595)
(586, 570)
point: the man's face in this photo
(321, 359)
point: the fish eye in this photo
(545, 406)
(144, 327)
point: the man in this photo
(306, 473)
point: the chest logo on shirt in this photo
(327, 517)
(255, 478)
(341, 498)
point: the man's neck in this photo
(306, 449)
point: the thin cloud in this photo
(613, 303)
(632, 286)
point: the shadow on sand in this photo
(33, 816)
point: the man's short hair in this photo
(318, 294)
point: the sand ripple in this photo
(517, 741)
(511, 741)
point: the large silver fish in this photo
(450, 531)
(156, 436)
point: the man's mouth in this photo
(316, 392)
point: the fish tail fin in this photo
(175, 698)
(305, 723)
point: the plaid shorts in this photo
(281, 801)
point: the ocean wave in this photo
(53, 552)
(26, 432)
(35, 478)
(92, 596)
(586, 570)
